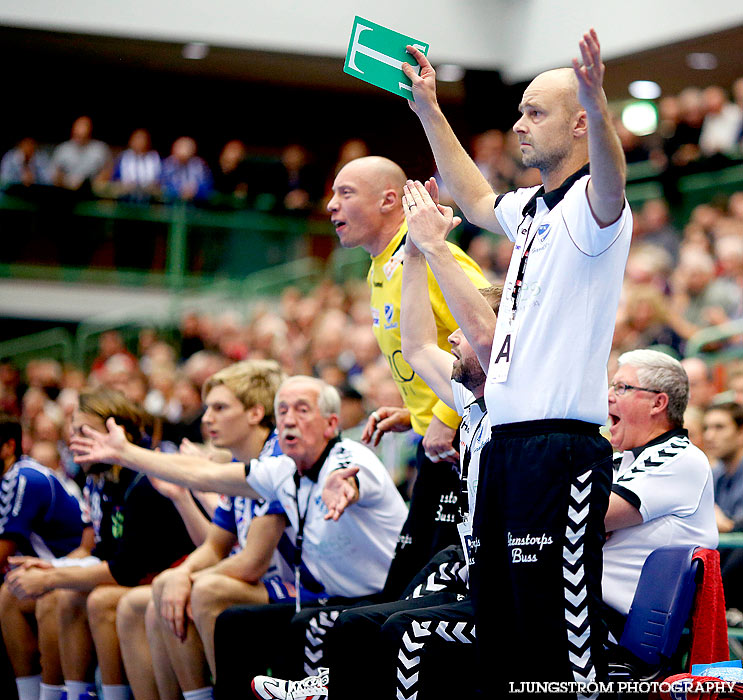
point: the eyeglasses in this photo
(620, 388)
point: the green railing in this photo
(201, 244)
(697, 188)
(718, 343)
(56, 343)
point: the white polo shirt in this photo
(351, 556)
(474, 433)
(669, 481)
(566, 307)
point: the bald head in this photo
(366, 206)
(562, 83)
(377, 172)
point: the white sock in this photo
(78, 690)
(116, 692)
(199, 694)
(28, 687)
(51, 692)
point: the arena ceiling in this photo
(666, 65)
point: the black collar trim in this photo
(314, 471)
(674, 432)
(554, 197)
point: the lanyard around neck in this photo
(518, 283)
(299, 545)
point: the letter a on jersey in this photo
(502, 352)
(505, 351)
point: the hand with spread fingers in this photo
(92, 446)
(429, 223)
(590, 75)
(340, 491)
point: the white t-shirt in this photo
(474, 434)
(351, 556)
(670, 483)
(566, 307)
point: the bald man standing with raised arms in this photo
(544, 484)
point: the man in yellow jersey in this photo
(366, 210)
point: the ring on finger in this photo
(375, 416)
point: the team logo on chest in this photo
(389, 312)
(543, 231)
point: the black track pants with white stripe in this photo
(434, 651)
(363, 662)
(538, 531)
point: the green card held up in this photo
(376, 54)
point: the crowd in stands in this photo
(289, 180)
(697, 129)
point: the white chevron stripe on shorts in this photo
(575, 590)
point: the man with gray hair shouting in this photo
(662, 491)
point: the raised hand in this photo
(93, 447)
(424, 83)
(429, 223)
(340, 491)
(590, 75)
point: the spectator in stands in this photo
(685, 142)
(138, 532)
(136, 173)
(649, 320)
(655, 228)
(723, 439)
(348, 558)
(298, 182)
(701, 382)
(185, 176)
(735, 384)
(729, 254)
(24, 165)
(694, 425)
(635, 149)
(81, 161)
(110, 343)
(721, 125)
(701, 299)
(232, 176)
(191, 341)
(224, 570)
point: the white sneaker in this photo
(311, 688)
